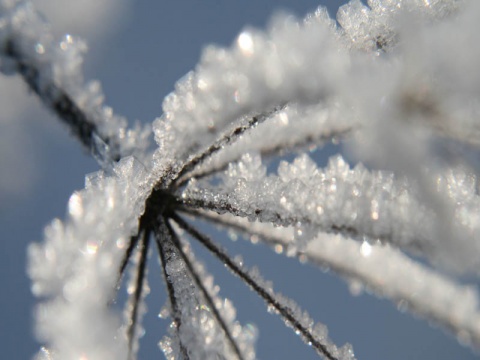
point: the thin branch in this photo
(219, 144)
(304, 143)
(140, 280)
(271, 299)
(275, 217)
(221, 204)
(61, 103)
(205, 293)
(224, 206)
(162, 237)
(358, 263)
(267, 150)
(126, 258)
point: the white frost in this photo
(75, 269)
(389, 81)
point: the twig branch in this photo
(270, 298)
(164, 246)
(205, 293)
(126, 258)
(62, 104)
(139, 285)
(225, 140)
(432, 295)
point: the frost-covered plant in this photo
(388, 82)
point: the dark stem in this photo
(205, 293)
(226, 139)
(126, 258)
(267, 152)
(272, 240)
(60, 102)
(274, 217)
(162, 237)
(284, 311)
(201, 203)
(143, 248)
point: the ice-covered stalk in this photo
(52, 68)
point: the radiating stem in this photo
(163, 238)
(139, 284)
(268, 151)
(270, 299)
(205, 293)
(61, 103)
(226, 139)
(126, 258)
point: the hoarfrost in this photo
(385, 83)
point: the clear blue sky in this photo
(156, 44)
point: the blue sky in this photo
(153, 45)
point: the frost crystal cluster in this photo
(395, 81)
